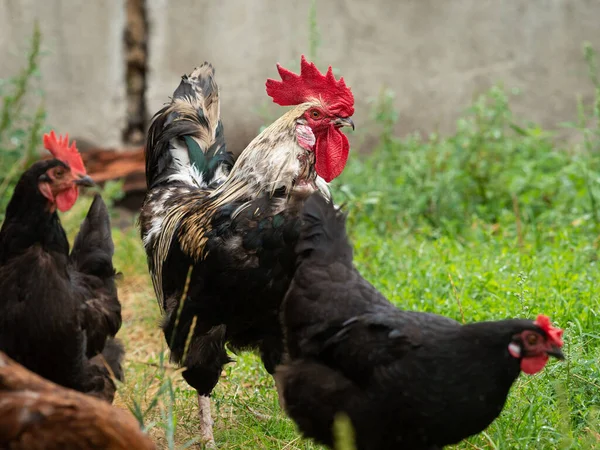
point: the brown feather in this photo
(37, 414)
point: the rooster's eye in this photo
(315, 114)
(58, 173)
(532, 339)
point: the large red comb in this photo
(555, 334)
(61, 150)
(310, 84)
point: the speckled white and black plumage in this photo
(233, 225)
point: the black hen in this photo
(59, 312)
(406, 380)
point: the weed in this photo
(20, 133)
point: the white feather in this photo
(323, 186)
(220, 174)
(155, 227)
(181, 158)
(184, 172)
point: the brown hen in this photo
(37, 414)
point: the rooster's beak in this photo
(556, 352)
(343, 122)
(84, 180)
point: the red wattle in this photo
(331, 153)
(66, 199)
(533, 364)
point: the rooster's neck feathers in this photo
(269, 162)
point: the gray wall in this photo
(83, 72)
(435, 54)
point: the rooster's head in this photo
(329, 106)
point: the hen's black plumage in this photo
(94, 276)
(407, 380)
(58, 311)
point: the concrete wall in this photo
(436, 55)
(83, 67)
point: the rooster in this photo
(36, 414)
(407, 380)
(219, 235)
(59, 311)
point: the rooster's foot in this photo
(206, 423)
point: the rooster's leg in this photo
(280, 391)
(206, 422)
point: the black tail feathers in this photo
(94, 248)
(188, 132)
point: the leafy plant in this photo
(493, 169)
(20, 132)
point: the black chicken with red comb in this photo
(59, 311)
(234, 224)
(406, 380)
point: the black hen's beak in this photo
(84, 180)
(556, 352)
(343, 122)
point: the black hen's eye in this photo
(532, 339)
(59, 173)
(315, 114)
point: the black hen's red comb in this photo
(555, 334)
(60, 149)
(311, 84)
